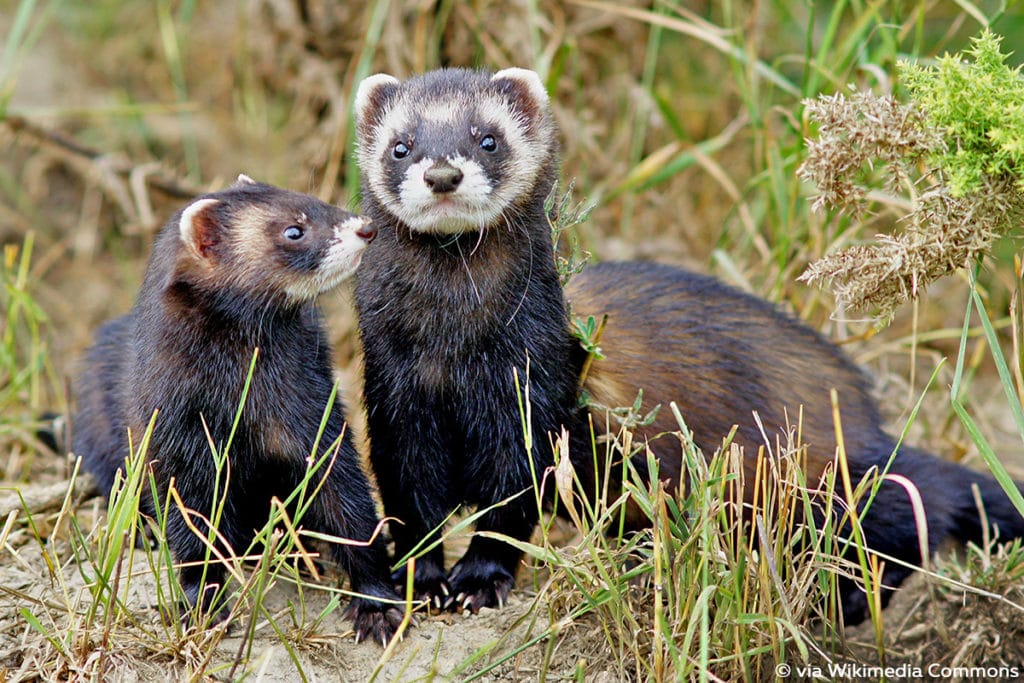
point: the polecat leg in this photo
(486, 573)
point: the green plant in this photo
(974, 102)
(962, 120)
(24, 368)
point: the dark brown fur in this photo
(184, 350)
(722, 356)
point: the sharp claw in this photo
(444, 589)
(501, 602)
(383, 641)
(359, 638)
(437, 602)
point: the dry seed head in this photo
(856, 133)
(944, 232)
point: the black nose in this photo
(442, 177)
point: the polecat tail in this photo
(891, 525)
(1003, 517)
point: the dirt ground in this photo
(432, 649)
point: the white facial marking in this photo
(441, 112)
(245, 180)
(469, 207)
(339, 263)
(185, 227)
(522, 167)
(370, 152)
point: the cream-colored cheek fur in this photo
(338, 264)
(470, 207)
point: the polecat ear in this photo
(199, 228)
(244, 180)
(525, 89)
(371, 98)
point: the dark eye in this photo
(400, 151)
(488, 143)
(294, 232)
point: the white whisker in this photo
(469, 272)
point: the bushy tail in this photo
(1001, 513)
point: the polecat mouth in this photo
(463, 204)
(448, 214)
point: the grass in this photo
(97, 621)
(682, 128)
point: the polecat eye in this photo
(488, 143)
(294, 232)
(400, 150)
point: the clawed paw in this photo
(479, 584)
(430, 586)
(375, 621)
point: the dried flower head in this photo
(965, 122)
(858, 135)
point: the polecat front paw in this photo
(479, 583)
(374, 620)
(430, 585)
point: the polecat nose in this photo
(442, 177)
(368, 230)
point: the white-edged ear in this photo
(196, 228)
(370, 97)
(244, 180)
(528, 81)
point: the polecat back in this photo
(726, 358)
(233, 272)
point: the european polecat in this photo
(722, 356)
(461, 291)
(459, 297)
(232, 272)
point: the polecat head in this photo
(452, 150)
(266, 241)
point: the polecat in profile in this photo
(722, 356)
(461, 296)
(234, 271)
